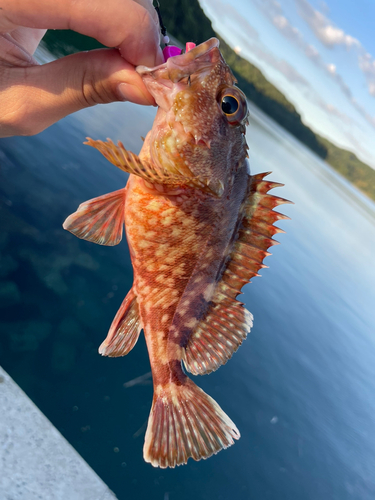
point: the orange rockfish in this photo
(198, 226)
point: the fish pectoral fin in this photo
(99, 220)
(227, 322)
(131, 163)
(125, 329)
(185, 422)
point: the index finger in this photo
(115, 23)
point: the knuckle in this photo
(96, 88)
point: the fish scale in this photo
(198, 227)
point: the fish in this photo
(198, 226)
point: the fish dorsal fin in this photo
(227, 322)
(125, 329)
(150, 172)
(99, 220)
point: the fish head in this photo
(199, 129)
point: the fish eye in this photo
(233, 104)
(229, 104)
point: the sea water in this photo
(301, 388)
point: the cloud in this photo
(293, 76)
(247, 34)
(291, 73)
(280, 65)
(312, 53)
(367, 66)
(248, 39)
(275, 14)
(272, 7)
(293, 34)
(363, 112)
(228, 14)
(323, 28)
(286, 28)
(333, 111)
(331, 36)
(312, 95)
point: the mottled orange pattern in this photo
(198, 227)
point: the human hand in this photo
(34, 96)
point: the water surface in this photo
(300, 389)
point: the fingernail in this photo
(129, 92)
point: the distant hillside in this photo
(267, 97)
(346, 162)
(186, 20)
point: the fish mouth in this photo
(198, 60)
(181, 76)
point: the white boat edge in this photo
(36, 461)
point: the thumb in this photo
(38, 96)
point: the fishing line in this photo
(170, 50)
(163, 29)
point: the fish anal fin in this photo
(185, 423)
(226, 323)
(99, 220)
(125, 329)
(219, 335)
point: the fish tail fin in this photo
(185, 422)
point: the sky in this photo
(320, 54)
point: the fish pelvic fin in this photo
(185, 422)
(99, 220)
(226, 324)
(125, 329)
(150, 172)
